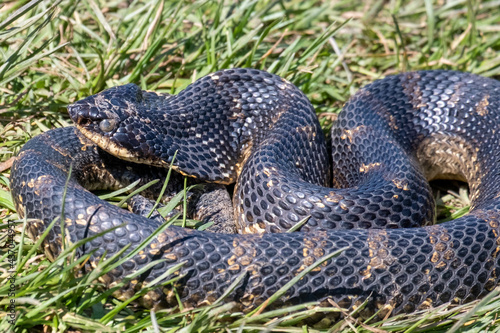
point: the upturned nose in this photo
(84, 114)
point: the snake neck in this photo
(216, 122)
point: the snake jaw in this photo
(106, 144)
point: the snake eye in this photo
(107, 125)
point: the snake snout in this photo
(84, 114)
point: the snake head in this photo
(104, 111)
(107, 117)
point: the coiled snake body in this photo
(259, 130)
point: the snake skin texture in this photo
(258, 130)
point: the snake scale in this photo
(260, 131)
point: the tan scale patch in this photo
(91, 209)
(244, 254)
(448, 255)
(434, 257)
(364, 168)
(440, 247)
(318, 252)
(343, 206)
(37, 183)
(380, 109)
(441, 264)
(378, 252)
(351, 133)
(320, 205)
(482, 107)
(306, 129)
(239, 251)
(392, 122)
(213, 76)
(333, 197)
(81, 221)
(247, 300)
(253, 229)
(309, 130)
(427, 304)
(455, 97)
(246, 260)
(162, 238)
(401, 184)
(435, 233)
(234, 267)
(246, 151)
(312, 251)
(307, 251)
(380, 257)
(171, 256)
(438, 236)
(412, 90)
(232, 260)
(367, 273)
(57, 148)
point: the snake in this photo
(368, 201)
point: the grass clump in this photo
(55, 52)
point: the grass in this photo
(55, 52)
